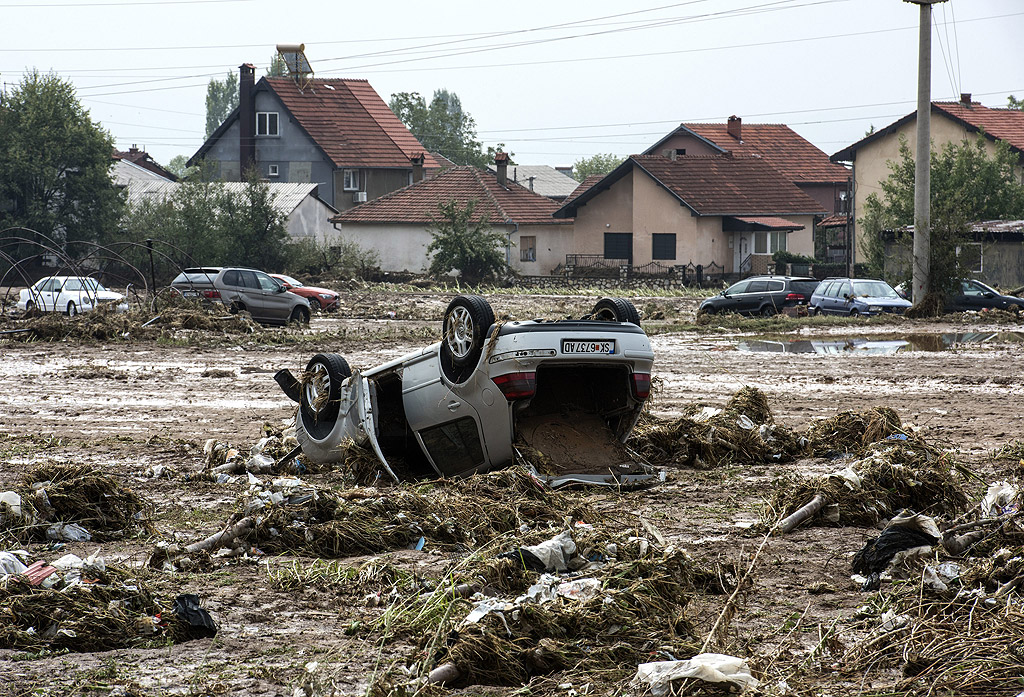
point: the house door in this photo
(618, 245)
(740, 250)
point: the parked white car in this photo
(68, 294)
(570, 389)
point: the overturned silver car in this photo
(570, 389)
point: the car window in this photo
(805, 287)
(266, 283)
(757, 287)
(454, 446)
(290, 281)
(776, 285)
(823, 288)
(873, 289)
(972, 288)
(232, 278)
(845, 289)
(249, 279)
(72, 284)
(48, 285)
(740, 287)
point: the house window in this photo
(769, 242)
(618, 246)
(527, 248)
(663, 245)
(679, 152)
(969, 256)
(351, 179)
(272, 170)
(266, 123)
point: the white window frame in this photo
(273, 171)
(350, 179)
(528, 254)
(266, 119)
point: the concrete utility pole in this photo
(923, 157)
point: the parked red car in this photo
(319, 298)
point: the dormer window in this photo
(267, 123)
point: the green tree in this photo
(461, 240)
(54, 163)
(442, 126)
(278, 66)
(178, 166)
(596, 164)
(1014, 103)
(252, 227)
(221, 100)
(967, 184)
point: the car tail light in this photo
(516, 385)
(641, 385)
(211, 294)
(796, 296)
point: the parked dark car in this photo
(761, 295)
(243, 290)
(975, 295)
(856, 297)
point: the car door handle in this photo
(453, 405)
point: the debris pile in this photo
(274, 453)
(895, 474)
(850, 431)
(743, 432)
(85, 605)
(72, 502)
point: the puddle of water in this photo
(880, 346)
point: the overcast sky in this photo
(553, 81)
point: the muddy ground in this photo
(126, 405)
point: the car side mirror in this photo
(989, 295)
(280, 289)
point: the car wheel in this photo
(768, 311)
(321, 390)
(465, 326)
(236, 307)
(314, 305)
(72, 310)
(616, 310)
(300, 315)
(854, 313)
(29, 307)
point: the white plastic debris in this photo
(11, 564)
(68, 532)
(581, 589)
(849, 477)
(709, 667)
(1000, 499)
(556, 552)
(13, 500)
(745, 422)
(706, 413)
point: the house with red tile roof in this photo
(951, 122)
(720, 210)
(398, 225)
(794, 157)
(140, 159)
(336, 133)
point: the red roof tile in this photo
(835, 220)
(417, 203)
(1002, 124)
(785, 150)
(350, 122)
(584, 185)
(728, 185)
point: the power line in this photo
(133, 3)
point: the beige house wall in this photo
(403, 247)
(611, 211)
(871, 167)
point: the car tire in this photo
(236, 308)
(464, 329)
(29, 307)
(854, 313)
(300, 315)
(72, 310)
(320, 392)
(616, 310)
(314, 305)
(768, 311)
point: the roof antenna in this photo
(294, 58)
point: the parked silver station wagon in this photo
(571, 389)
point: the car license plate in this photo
(588, 346)
(190, 293)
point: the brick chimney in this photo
(246, 119)
(417, 167)
(965, 99)
(501, 162)
(735, 127)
